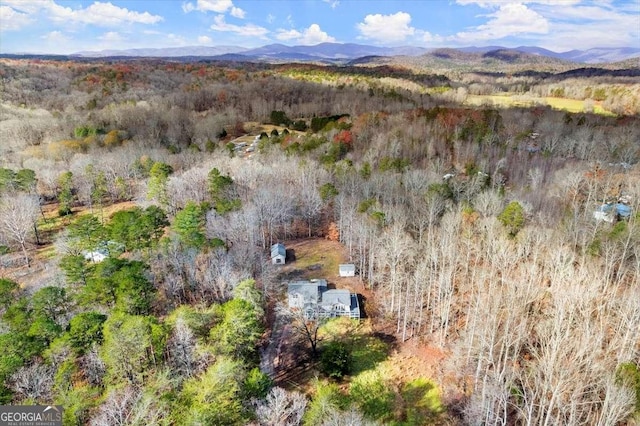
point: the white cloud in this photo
(510, 19)
(236, 12)
(204, 40)
(188, 7)
(591, 26)
(249, 30)
(108, 14)
(12, 19)
(554, 2)
(314, 35)
(569, 38)
(557, 24)
(427, 37)
(55, 37)
(588, 13)
(386, 28)
(309, 36)
(176, 40)
(111, 36)
(98, 13)
(497, 3)
(217, 6)
(332, 3)
(26, 6)
(285, 35)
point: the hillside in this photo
(487, 215)
(498, 60)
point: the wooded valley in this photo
(493, 219)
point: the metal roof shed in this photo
(347, 270)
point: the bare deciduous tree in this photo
(93, 366)
(181, 350)
(117, 410)
(18, 215)
(33, 382)
(281, 408)
(350, 417)
(306, 325)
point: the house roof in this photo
(341, 300)
(278, 250)
(310, 290)
(336, 296)
(347, 267)
(314, 293)
(621, 209)
(342, 296)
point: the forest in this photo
(493, 219)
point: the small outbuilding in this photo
(347, 270)
(278, 254)
(611, 212)
(96, 256)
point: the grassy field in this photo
(387, 383)
(574, 105)
(318, 258)
(509, 100)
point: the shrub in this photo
(278, 118)
(628, 375)
(299, 125)
(397, 164)
(210, 145)
(84, 329)
(372, 395)
(112, 139)
(257, 384)
(512, 217)
(84, 131)
(336, 152)
(335, 360)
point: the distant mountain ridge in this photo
(166, 52)
(333, 52)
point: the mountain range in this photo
(344, 52)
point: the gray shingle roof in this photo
(278, 249)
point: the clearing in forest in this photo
(509, 101)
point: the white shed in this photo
(95, 256)
(347, 270)
(278, 254)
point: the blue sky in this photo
(67, 26)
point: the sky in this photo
(69, 26)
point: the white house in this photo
(315, 300)
(278, 254)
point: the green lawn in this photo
(373, 383)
